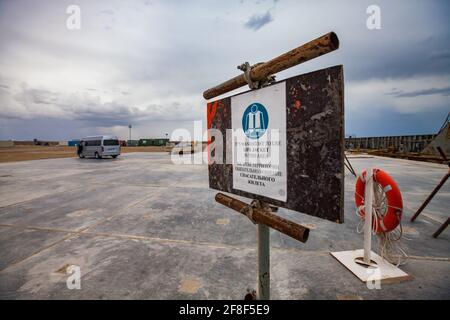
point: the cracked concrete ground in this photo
(140, 227)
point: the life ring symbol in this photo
(387, 217)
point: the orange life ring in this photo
(390, 218)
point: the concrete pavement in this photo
(140, 227)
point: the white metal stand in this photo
(366, 264)
(368, 202)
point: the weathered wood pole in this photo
(313, 49)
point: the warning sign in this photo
(283, 144)
(259, 142)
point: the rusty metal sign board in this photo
(283, 144)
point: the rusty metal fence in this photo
(413, 143)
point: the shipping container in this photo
(73, 143)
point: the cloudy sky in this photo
(147, 62)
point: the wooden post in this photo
(313, 49)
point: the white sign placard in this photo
(258, 120)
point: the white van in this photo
(98, 147)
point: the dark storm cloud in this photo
(136, 63)
(426, 92)
(87, 109)
(113, 115)
(442, 55)
(396, 124)
(256, 22)
(383, 56)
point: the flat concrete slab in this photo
(141, 227)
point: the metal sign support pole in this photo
(263, 292)
(261, 214)
(255, 77)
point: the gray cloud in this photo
(150, 64)
(256, 22)
(417, 93)
(384, 56)
(88, 109)
(111, 114)
(37, 96)
(444, 54)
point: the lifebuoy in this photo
(389, 219)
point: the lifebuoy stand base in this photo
(380, 271)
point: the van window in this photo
(110, 142)
(93, 143)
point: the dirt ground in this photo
(23, 153)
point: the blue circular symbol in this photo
(255, 121)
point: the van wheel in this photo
(97, 156)
(114, 157)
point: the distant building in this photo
(132, 143)
(153, 142)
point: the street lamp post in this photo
(129, 126)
